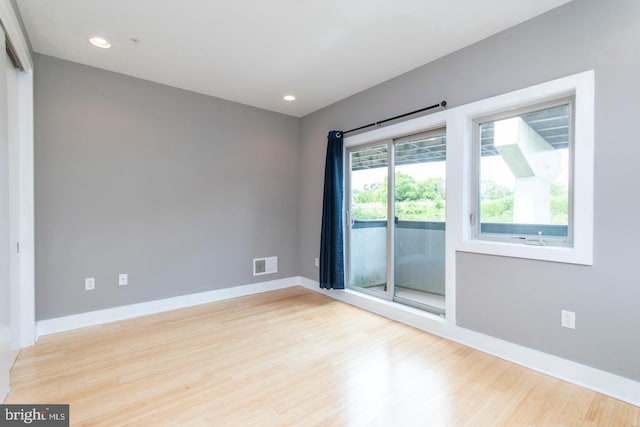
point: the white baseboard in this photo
(81, 320)
(612, 385)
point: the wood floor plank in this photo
(291, 357)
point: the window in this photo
(523, 167)
(527, 174)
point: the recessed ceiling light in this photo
(289, 98)
(100, 42)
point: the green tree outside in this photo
(425, 201)
(415, 200)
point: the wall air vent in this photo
(265, 265)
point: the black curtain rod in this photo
(431, 107)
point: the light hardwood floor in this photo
(291, 357)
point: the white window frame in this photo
(476, 217)
(581, 87)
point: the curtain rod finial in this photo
(443, 103)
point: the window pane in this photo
(368, 225)
(524, 173)
(420, 174)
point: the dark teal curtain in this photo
(331, 240)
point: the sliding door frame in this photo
(389, 293)
(390, 229)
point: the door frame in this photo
(390, 293)
(25, 289)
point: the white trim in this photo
(11, 24)
(15, 222)
(98, 317)
(27, 317)
(582, 85)
(597, 380)
(13, 30)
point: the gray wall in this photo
(520, 300)
(179, 190)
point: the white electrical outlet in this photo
(89, 283)
(568, 319)
(317, 262)
(123, 279)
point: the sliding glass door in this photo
(404, 259)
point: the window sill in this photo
(562, 254)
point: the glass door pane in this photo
(419, 240)
(367, 219)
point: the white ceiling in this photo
(254, 52)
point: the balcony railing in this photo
(419, 257)
(420, 252)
